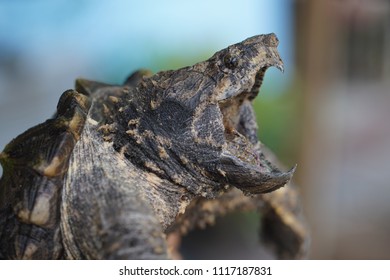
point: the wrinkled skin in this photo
(203, 113)
(117, 166)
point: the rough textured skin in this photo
(120, 167)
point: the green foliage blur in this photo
(278, 116)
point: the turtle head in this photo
(241, 67)
(195, 126)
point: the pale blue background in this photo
(45, 45)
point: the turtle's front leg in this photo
(112, 225)
(112, 233)
(114, 229)
(283, 223)
(104, 214)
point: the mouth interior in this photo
(237, 140)
(243, 161)
(230, 108)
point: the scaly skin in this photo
(117, 166)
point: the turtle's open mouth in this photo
(242, 161)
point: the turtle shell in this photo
(34, 165)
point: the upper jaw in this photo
(249, 84)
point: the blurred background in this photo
(329, 112)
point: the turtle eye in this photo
(230, 62)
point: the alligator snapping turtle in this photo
(118, 168)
